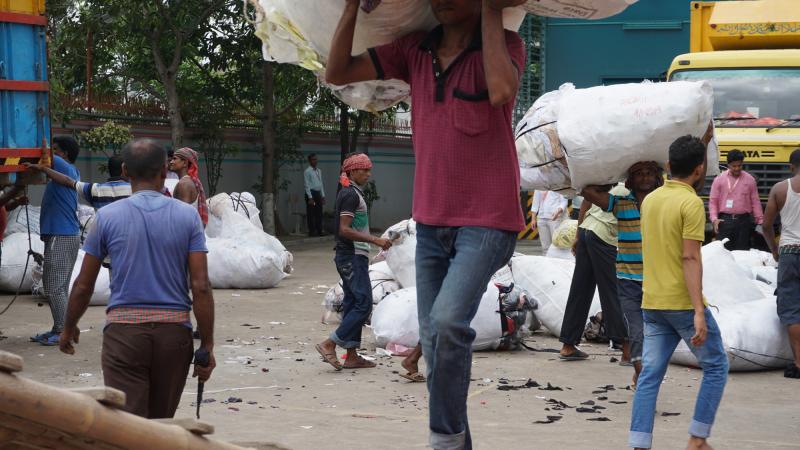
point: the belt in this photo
(793, 249)
(736, 216)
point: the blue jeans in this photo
(454, 266)
(663, 330)
(357, 302)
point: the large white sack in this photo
(102, 287)
(243, 204)
(752, 336)
(548, 280)
(401, 256)
(244, 256)
(754, 258)
(395, 320)
(18, 223)
(724, 281)
(607, 128)
(300, 33)
(577, 9)
(12, 261)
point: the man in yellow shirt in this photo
(673, 226)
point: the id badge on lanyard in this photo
(729, 201)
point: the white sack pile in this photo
(102, 287)
(300, 33)
(17, 222)
(240, 254)
(745, 311)
(548, 281)
(571, 138)
(12, 264)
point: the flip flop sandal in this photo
(415, 377)
(577, 355)
(792, 372)
(626, 363)
(329, 358)
(360, 364)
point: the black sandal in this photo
(577, 355)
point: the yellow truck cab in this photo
(749, 51)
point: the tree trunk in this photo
(356, 131)
(268, 154)
(176, 123)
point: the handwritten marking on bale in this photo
(10, 362)
(190, 425)
(105, 395)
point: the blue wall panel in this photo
(24, 115)
(638, 44)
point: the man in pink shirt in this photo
(734, 206)
(464, 76)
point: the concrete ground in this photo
(265, 357)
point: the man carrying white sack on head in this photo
(549, 208)
(464, 76)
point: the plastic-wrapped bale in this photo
(243, 204)
(401, 256)
(395, 319)
(548, 280)
(383, 284)
(725, 282)
(12, 264)
(300, 33)
(577, 9)
(245, 257)
(18, 220)
(604, 129)
(102, 287)
(542, 162)
(752, 336)
(565, 234)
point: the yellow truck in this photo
(750, 53)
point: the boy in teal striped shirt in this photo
(643, 178)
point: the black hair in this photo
(69, 146)
(115, 166)
(313, 155)
(144, 158)
(735, 155)
(685, 155)
(794, 159)
(170, 153)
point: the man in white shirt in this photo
(315, 196)
(550, 210)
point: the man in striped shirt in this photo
(96, 195)
(643, 178)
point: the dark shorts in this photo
(630, 296)
(788, 291)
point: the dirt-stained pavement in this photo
(266, 358)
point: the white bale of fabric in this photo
(102, 286)
(548, 280)
(560, 253)
(565, 234)
(542, 162)
(401, 256)
(605, 129)
(577, 9)
(243, 256)
(395, 320)
(752, 335)
(725, 282)
(243, 204)
(300, 33)
(754, 258)
(12, 261)
(18, 220)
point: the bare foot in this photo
(410, 366)
(567, 350)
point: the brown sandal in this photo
(415, 377)
(329, 358)
(361, 363)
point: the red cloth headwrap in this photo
(358, 161)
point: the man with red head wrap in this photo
(352, 263)
(189, 189)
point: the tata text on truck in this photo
(24, 89)
(750, 53)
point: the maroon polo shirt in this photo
(466, 172)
